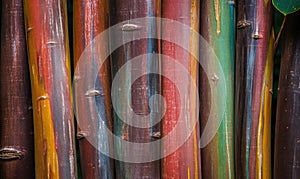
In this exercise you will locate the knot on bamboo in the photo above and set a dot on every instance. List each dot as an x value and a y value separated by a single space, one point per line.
93 92
257 36
81 135
10 154
130 27
156 135
243 24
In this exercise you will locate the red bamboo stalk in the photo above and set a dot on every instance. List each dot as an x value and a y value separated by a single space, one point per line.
90 19
16 132
185 161
142 88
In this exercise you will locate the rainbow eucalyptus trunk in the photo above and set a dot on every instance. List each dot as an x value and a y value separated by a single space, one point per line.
254 63
218 29
16 132
48 51
141 89
287 143
90 19
185 161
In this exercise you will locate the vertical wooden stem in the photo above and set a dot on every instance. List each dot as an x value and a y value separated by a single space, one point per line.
48 51
16 121
185 161
90 19
253 89
218 29
141 89
287 134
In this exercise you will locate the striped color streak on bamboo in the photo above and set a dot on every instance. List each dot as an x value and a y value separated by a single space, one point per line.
253 35
16 136
141 89
90 19
287 133
263 152
218 29
48 51
185 161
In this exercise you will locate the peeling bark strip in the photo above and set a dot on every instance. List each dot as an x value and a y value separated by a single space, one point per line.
48 50
287 135
253 83
90 19
185 161
16 132
141 89
218 156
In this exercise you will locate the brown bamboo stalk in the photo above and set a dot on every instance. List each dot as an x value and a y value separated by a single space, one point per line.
16 122
48 51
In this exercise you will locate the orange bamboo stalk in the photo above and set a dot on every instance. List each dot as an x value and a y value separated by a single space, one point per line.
48 51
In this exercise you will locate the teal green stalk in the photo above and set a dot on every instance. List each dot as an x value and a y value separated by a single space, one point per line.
218 29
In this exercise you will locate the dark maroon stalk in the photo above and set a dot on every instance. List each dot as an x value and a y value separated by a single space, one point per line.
287 135
16 125
141 89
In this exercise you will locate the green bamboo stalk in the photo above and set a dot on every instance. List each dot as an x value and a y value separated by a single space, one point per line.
48 51
16 121
218 29
287 134
254 56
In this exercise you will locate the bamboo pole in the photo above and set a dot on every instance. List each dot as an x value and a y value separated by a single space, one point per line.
185 161
286 159
141 90
16 133
253 89
48 51
218 29
90 19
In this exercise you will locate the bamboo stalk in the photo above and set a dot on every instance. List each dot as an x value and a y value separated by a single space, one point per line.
185 161
90 19
48 51
253 89
141 90
218 29
286 159
16 137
